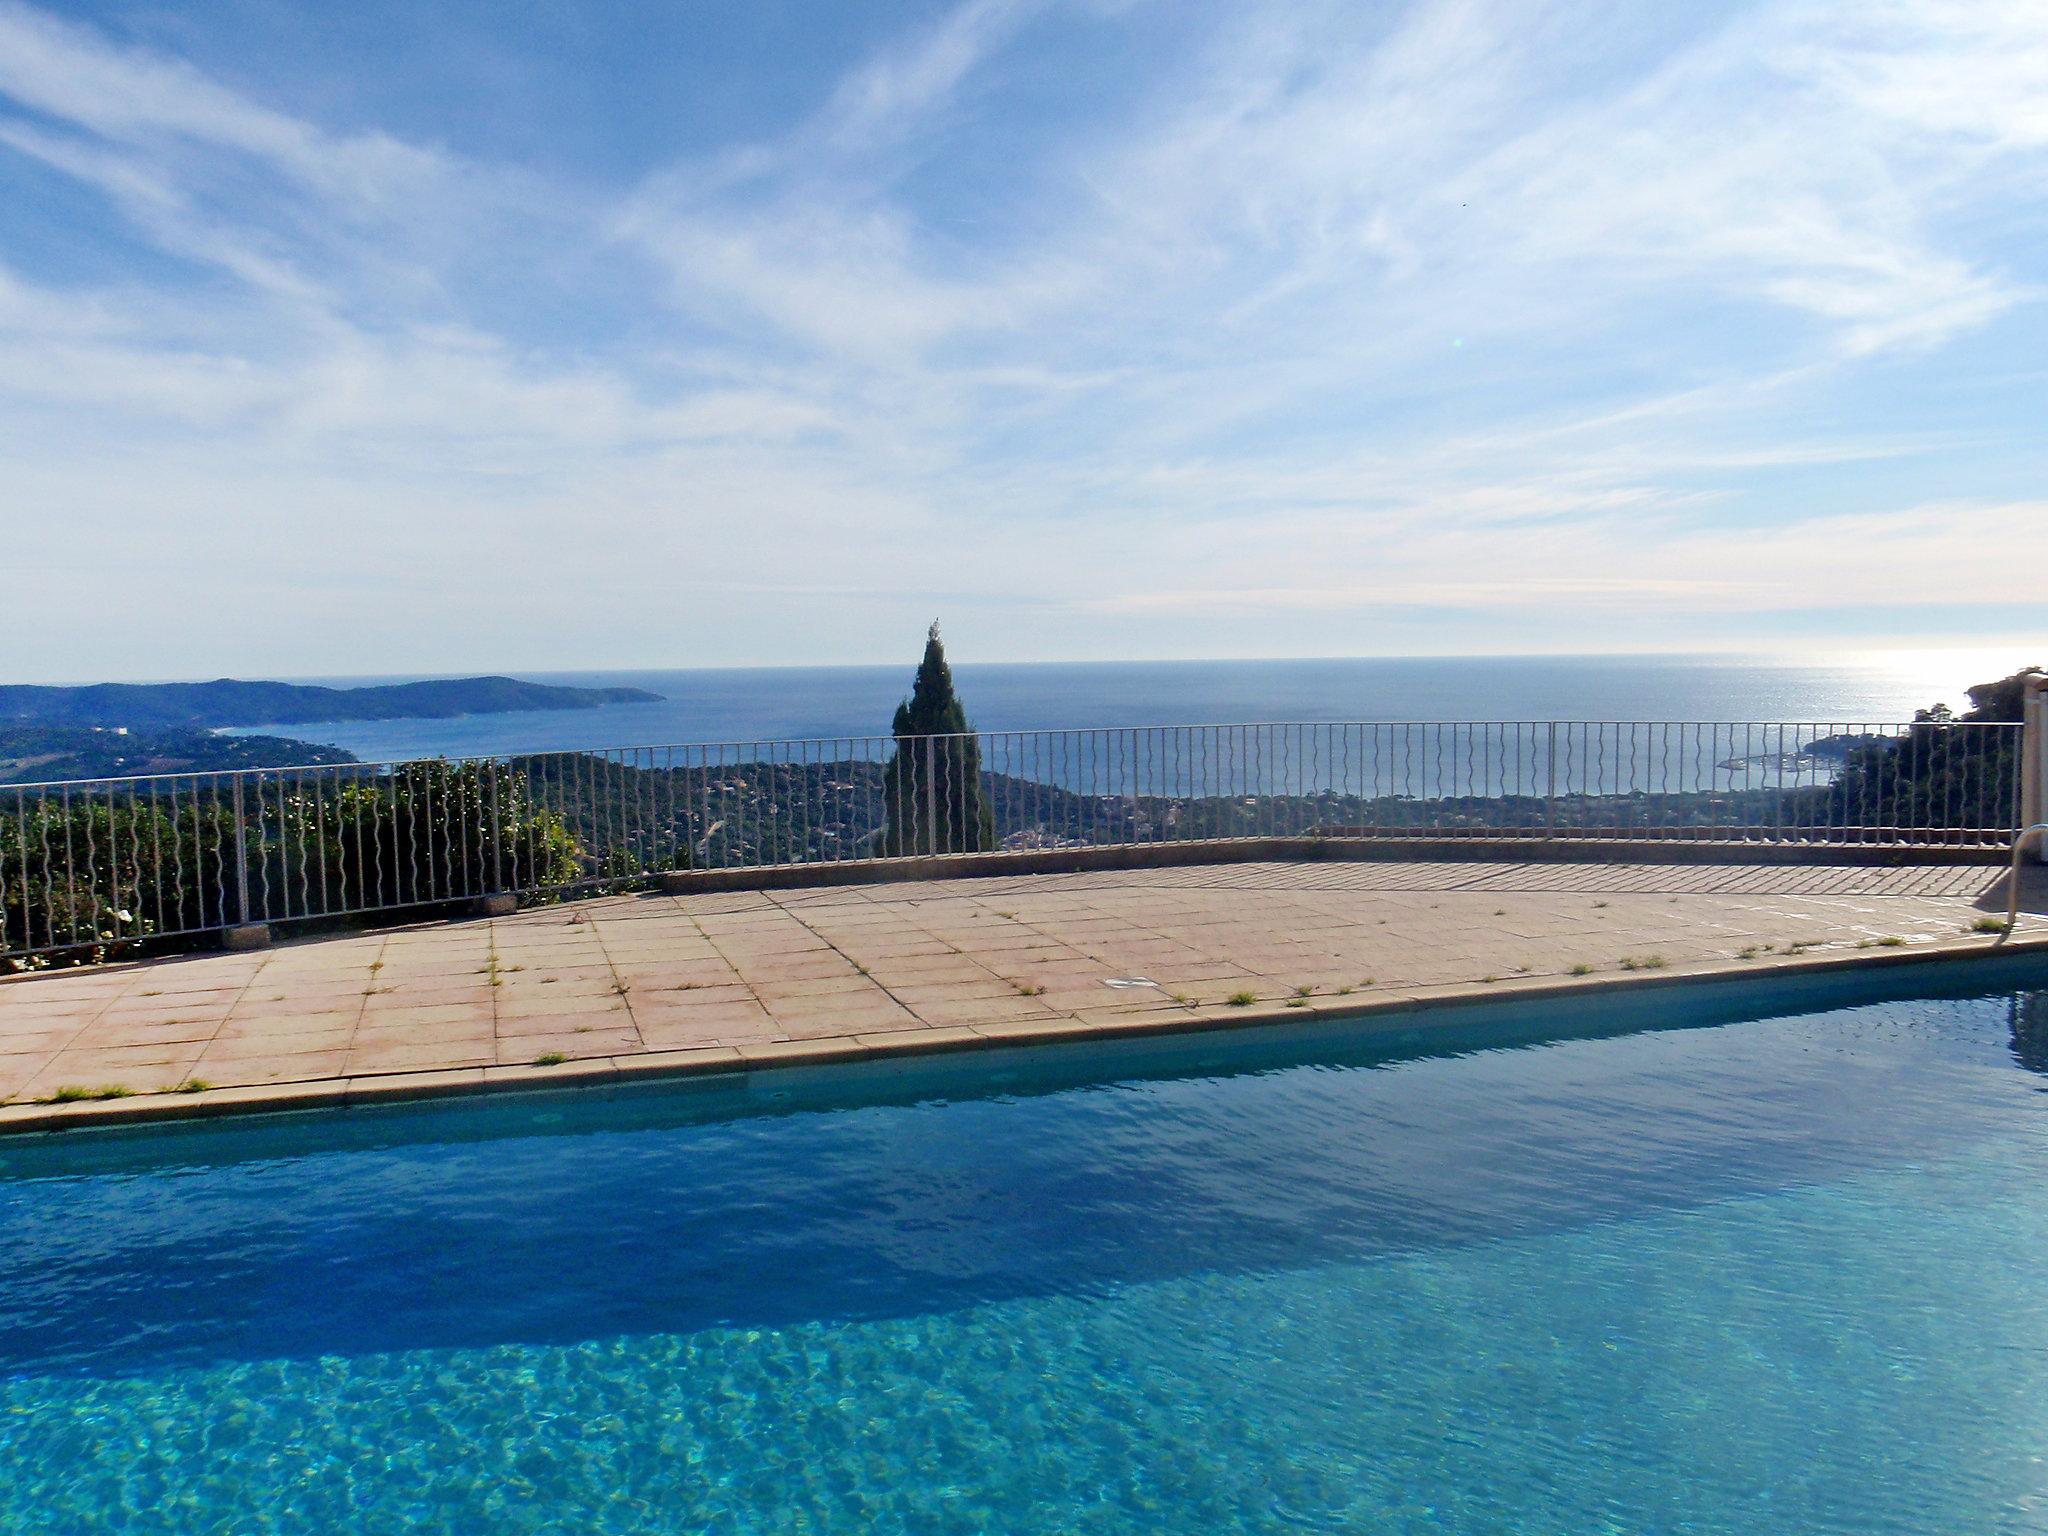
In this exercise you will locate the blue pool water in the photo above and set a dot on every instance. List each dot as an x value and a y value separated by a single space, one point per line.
1709 1260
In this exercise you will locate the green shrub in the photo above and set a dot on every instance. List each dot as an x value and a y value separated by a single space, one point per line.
91 872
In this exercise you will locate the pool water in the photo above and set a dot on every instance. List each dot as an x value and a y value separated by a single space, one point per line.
1711 1259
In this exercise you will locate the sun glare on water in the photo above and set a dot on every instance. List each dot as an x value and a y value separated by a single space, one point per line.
1944 674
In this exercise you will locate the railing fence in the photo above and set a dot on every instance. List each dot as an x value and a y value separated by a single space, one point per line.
96 864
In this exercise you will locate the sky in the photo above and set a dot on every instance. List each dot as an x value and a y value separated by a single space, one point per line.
484 335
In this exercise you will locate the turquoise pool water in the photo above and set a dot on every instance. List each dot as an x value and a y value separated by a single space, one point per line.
1710 1261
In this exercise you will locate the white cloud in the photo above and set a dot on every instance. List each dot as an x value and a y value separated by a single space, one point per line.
1517 307
1460 168
1643 565
131 97
1975 70
887 95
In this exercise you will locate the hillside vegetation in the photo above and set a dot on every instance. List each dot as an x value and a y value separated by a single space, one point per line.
31 754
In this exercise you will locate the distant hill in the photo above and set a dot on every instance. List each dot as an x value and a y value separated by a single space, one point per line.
41 754
226 701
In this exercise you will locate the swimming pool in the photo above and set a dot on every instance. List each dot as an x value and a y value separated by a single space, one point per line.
1713 1259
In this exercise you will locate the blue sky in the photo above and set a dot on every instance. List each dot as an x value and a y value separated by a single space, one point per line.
393 337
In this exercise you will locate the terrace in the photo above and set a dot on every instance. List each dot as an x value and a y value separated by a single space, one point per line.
1132 882
640 985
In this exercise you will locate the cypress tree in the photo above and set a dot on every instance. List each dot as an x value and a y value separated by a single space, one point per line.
935 799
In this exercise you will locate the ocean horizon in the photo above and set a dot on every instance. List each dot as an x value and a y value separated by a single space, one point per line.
746 704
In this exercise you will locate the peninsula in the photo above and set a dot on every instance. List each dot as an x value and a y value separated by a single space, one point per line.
57 753
230 702
109 729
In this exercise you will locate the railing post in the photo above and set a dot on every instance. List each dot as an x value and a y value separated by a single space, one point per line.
2034 756
246 934
241 853
1550 784
931 798
1131 767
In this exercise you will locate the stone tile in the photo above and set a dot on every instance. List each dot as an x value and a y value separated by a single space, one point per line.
131 1010
186 989
408 1056
690 995
825 965
870 951
538 1009
877 1021
451 1044
777 936
409 1015
88 1055
536 973
147 1072
1069 999
916 998
237 1069
263 1024
775 991
404 999
233 1042
16 1073
345 969
37 1036
586 1042
1048 972
681 977
64 987
22 1008
286 992
677 1037
694 1005
130 1033
981 1010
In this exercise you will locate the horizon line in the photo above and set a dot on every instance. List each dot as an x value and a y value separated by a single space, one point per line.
1832 656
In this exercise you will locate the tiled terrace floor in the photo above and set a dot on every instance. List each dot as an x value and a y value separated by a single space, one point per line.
646 982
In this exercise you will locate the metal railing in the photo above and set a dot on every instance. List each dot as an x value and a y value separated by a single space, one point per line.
101 864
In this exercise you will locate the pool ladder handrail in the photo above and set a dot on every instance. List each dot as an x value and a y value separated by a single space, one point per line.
2012 884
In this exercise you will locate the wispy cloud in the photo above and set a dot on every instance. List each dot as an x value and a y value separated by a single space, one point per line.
69 74
886 98
1516 308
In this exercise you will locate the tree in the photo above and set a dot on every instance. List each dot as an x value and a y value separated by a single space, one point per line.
1940 774
935 800
90 872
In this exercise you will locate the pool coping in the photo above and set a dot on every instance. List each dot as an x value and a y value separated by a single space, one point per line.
703 1061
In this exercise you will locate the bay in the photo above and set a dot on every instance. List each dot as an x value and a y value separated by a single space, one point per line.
778 703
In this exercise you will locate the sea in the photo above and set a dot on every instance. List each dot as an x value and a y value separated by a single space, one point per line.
1857 690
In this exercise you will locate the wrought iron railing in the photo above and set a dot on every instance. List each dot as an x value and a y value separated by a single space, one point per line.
106 863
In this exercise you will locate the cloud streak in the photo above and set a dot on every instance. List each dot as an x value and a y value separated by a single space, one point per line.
1514 309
